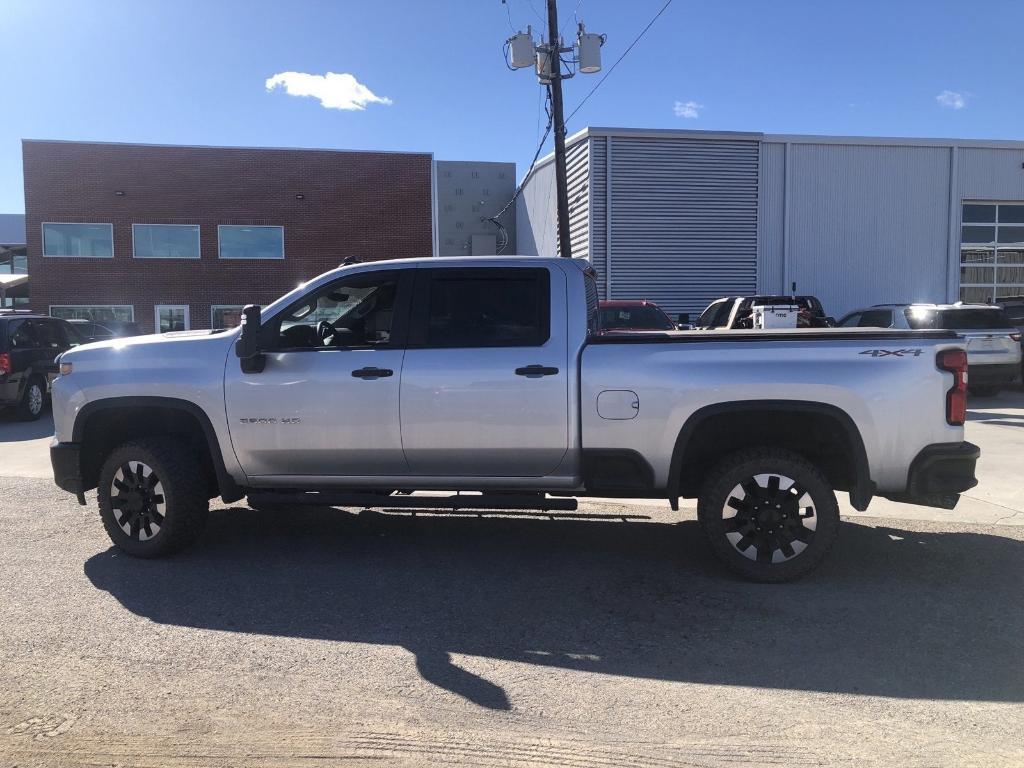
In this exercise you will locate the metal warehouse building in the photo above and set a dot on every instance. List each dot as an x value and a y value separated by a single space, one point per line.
684 217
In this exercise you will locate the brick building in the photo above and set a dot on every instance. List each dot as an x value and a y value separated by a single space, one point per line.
182 237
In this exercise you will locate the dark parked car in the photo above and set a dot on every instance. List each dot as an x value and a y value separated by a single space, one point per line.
91 330
29 345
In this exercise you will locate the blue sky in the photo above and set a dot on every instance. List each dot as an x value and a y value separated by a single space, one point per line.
195 72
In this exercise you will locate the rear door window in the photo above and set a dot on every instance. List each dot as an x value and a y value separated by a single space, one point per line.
876 318
647 318
483 307
967 319
1015 314
22 335
50 334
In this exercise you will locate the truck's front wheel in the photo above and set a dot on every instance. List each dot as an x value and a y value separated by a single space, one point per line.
151 497
768 513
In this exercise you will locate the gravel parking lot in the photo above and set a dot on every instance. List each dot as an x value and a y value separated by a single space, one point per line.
322 637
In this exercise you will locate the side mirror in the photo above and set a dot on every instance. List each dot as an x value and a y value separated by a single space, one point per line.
684 318
248 346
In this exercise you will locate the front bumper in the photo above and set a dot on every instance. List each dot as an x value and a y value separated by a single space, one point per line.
65 458
993 374
939 474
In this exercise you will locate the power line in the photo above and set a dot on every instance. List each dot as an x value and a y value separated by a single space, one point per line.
536 13
519 189
574 17
624 54
508 12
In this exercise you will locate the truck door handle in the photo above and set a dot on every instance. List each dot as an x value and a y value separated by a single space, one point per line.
372 373
536 371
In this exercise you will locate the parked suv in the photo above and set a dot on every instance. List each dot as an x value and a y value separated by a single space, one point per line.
993 340
29 345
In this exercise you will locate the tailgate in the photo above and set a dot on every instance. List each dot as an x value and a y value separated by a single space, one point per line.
986 347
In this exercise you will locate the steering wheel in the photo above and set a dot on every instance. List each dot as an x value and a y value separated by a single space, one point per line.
324 331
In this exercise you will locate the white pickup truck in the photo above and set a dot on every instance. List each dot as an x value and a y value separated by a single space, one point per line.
489 378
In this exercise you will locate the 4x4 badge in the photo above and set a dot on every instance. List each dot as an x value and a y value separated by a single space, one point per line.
892 352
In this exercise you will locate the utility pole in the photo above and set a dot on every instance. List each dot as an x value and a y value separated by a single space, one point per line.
561 175
522 51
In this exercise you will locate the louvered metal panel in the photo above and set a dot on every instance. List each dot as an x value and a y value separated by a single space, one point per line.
770 218
868 224
683 219
577 172
599 209
990 174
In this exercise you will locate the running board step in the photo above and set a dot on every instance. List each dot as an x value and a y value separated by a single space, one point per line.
375 501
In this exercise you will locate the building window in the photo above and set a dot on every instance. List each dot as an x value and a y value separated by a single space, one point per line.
80 240
13 261
97 313
165 241
991 252
250 242
225 315
171 317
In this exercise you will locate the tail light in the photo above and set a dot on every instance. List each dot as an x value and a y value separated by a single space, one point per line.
5 364
1015 336
955 361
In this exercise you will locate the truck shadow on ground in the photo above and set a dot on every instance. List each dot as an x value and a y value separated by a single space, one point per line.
13 430
890 613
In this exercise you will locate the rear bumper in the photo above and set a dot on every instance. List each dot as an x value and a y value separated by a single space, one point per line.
65 459
993 374
939 474
10 389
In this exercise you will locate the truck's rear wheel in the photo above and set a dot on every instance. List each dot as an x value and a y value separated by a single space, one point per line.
151 497
768 513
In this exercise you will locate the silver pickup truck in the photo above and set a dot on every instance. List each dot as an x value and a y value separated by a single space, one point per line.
490 379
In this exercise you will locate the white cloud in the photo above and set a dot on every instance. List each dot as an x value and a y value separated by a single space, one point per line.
688 109
952 99
334 90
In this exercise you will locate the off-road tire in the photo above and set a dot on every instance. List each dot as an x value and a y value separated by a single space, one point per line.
744 466
185 501
33 400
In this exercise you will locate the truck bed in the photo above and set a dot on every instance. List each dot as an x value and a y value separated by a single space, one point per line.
787 334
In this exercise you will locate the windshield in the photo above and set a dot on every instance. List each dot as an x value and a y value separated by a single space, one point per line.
646 318
716 314
329 307
967 319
